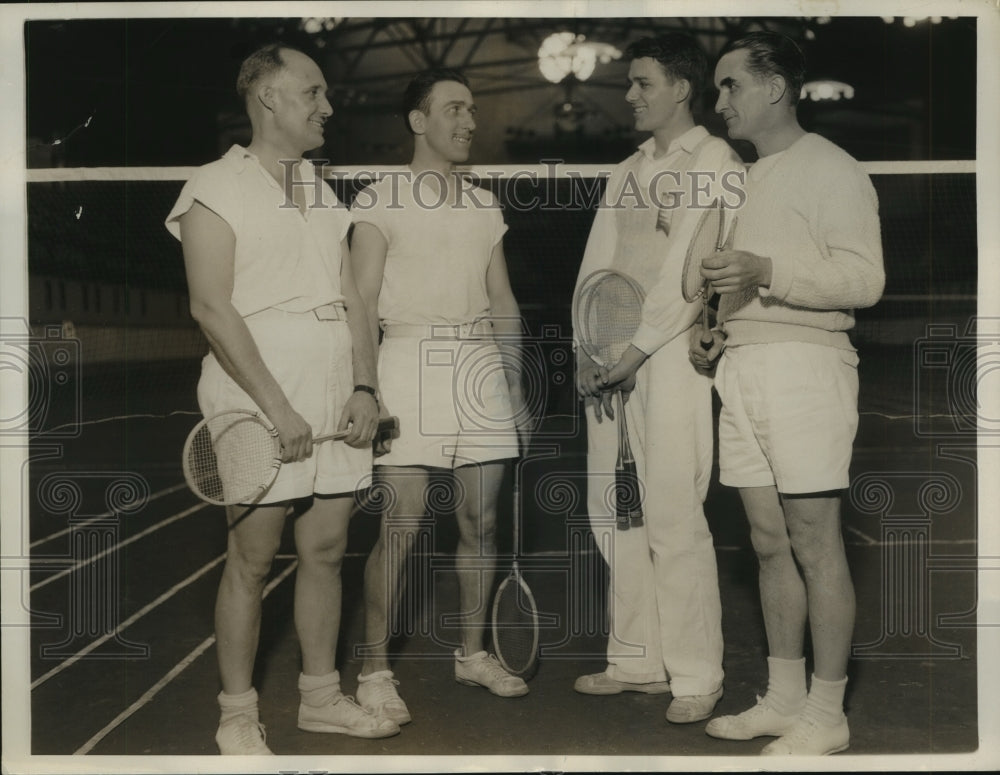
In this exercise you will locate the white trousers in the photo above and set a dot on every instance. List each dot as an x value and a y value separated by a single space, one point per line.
665 612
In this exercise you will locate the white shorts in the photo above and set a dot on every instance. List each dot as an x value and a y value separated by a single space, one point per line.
789 416
311 360
451 398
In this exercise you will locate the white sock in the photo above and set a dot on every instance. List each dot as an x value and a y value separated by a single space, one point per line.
319 690
233 705
825 703
786 685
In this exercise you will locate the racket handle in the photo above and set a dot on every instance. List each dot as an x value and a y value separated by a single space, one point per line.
388 425
628 501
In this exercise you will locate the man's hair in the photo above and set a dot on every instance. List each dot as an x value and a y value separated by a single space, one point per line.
771 53
679 55
418 93
262 63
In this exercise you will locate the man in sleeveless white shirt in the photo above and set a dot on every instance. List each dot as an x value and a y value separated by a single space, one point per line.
807 250
265 250
428 256
665 613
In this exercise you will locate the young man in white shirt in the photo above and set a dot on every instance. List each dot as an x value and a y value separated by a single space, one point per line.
427 252
265 250
807 250
665 613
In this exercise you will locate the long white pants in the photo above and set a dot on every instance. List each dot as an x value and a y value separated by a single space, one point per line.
665 612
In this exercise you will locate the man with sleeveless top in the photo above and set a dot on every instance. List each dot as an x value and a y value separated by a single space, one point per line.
428 255
265 250
807 250
665 613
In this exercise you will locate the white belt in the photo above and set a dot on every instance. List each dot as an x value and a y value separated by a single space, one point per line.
477 329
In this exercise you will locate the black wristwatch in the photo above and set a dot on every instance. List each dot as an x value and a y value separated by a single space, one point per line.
367 389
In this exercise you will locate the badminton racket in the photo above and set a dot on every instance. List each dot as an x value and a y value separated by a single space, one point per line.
234 456
709 237
606 314
515 615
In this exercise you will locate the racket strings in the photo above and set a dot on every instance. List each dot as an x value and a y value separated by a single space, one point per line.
612 312
516 622
232 458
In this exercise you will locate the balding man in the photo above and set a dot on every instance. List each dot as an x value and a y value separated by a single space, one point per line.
265 250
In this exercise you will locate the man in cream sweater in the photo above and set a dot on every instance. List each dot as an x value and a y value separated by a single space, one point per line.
806 251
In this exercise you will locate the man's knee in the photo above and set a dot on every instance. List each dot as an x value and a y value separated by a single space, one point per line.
328 552
770 542
250 566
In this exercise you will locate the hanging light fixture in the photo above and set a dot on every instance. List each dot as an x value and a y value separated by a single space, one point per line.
564 53
827 90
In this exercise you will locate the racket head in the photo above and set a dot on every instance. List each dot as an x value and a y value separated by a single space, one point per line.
607 310
515 625
702 245
231 457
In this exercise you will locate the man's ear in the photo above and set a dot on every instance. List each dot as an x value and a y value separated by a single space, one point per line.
418 121
777 87
682 90
266 98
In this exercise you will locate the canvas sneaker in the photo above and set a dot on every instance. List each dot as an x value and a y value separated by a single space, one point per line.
761 719
482 669
377 694
242 735
342 715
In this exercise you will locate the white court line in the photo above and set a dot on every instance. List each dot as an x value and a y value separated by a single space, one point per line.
105 515
128 622
119 545
179 668
863 536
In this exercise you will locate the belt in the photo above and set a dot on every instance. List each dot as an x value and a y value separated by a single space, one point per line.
336 311
477 329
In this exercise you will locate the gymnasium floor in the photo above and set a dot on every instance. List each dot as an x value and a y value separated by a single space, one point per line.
122 650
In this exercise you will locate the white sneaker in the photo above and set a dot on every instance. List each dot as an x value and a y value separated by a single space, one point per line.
482 669
377 694
760 720
242 735
807 737
344 716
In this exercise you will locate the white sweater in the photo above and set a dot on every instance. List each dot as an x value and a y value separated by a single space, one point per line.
813 211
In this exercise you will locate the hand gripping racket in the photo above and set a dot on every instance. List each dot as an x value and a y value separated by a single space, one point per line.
515 615
234 456
709 237
606 314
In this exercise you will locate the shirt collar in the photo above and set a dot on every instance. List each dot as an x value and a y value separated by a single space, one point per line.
686 142
240 157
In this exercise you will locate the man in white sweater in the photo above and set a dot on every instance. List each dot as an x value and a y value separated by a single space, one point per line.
806 251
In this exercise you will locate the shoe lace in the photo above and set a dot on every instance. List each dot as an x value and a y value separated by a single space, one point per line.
492 666
383 691
250 733
801 732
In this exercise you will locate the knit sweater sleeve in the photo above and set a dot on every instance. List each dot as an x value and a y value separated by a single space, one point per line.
847 270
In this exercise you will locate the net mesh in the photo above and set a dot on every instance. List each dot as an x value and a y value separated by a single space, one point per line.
104 271
231 458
